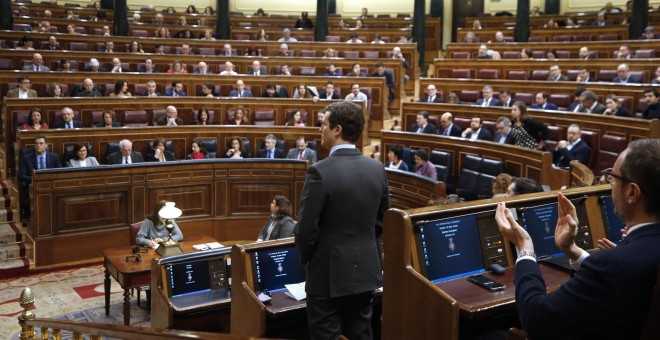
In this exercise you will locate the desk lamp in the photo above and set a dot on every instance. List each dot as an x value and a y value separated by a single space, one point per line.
169 213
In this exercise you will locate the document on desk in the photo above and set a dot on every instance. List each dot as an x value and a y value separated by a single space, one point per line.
296 291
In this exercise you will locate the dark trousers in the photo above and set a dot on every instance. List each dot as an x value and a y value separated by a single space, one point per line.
347 315
24 199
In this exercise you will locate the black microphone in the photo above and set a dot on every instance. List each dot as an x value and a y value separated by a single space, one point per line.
138 258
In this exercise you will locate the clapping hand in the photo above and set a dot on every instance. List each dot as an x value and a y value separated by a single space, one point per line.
566 229
511 230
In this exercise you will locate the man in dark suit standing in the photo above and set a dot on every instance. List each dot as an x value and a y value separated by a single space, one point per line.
270 151
448 127
573 148
389 79
476 131
126 155
67 121
302 152
503 131
432 95
610 294
487 97
341 212
33 159
423 125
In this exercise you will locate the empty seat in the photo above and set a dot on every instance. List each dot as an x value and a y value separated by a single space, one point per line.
332 38
307 71
264 117
78 46
139 33
607 75
468 96
370 54
156 115
555 134
540 74
6 64
563 101
488 74
526 98
207 51
462 123
582 37
603 37
538 39
442 162
572 74
559 38
511 55
211 147
563 54
592 138
238 36
460 55
517 75
460 73
351 54
610 148
307 53
136 118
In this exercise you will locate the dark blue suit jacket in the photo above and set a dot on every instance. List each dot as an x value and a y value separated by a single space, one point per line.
170 93
483 135
455 131
29 163
429 128
278 153
548 106
579 152
246 93
389 82
493 102
60 124
608 298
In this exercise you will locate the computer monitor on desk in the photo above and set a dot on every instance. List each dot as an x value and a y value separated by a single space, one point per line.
195 273
277 266
540 222
612 222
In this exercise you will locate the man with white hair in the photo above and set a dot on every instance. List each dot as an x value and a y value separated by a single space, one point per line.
286 36
283 51
227 51
256 69
37 64
125 155
202 68
229 70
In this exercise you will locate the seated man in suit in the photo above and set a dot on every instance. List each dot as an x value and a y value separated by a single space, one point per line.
487 98
240 90
476 130
67 121
171 118
505 97
542 102
503 131
41 158
37 64
270 151
590 103
584 76
203 68
227 51
331 71
301 151
53 45
625 52
448 126
576 105
625 77
611 292
573 148
329 92
87 89
555 74
432 95
125 155
389 79
356 71
151 90
423 125
256 69
148 67
652 98
94 66
176 90
23 91
116 66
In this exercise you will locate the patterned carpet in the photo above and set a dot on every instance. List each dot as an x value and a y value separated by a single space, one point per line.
71 294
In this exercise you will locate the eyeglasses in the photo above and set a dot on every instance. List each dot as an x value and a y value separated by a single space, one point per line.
610 176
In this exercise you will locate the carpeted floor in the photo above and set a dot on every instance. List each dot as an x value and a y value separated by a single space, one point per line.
71 294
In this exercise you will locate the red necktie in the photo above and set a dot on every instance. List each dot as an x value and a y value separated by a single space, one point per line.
300 156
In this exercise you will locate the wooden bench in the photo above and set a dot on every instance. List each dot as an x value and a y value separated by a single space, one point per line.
550 34
584 19
409 190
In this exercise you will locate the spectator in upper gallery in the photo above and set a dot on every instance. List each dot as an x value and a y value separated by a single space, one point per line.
476 130
283 51
584 76
240 90
389 79
148 67
53 45
652 111
151 90
614 108
521 186
609 8
423 125
329 92
487 98
286 36
23 91
541 102
270 151
117 67
527 132
208 90
227 51
354 39
67 121
356 95
432 95
649 33
304 21
332 71
448 127
395 159
536 11
503 131
377 40
483 53
203 68
365 14
571 149
256 69
177 67
505 97
176 90
601 20
355 71
656 80
35 122
171 117
555 74
624 52
625 77
423 165
229 70
589 103
37 64
470 38
302 152
584 53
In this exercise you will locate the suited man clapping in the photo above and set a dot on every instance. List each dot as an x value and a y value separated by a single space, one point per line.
573 148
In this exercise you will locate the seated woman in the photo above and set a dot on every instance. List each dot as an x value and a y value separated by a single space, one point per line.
203 117
159 154
279 224
65 66
34 122
395 156
240 116
81 157
614 108
501 185
108 120
306 92
153 232
121 89
54 90
198 150
177 67
235 148
135 47
295 119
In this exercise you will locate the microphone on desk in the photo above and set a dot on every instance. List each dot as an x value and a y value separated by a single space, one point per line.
137 249
138 258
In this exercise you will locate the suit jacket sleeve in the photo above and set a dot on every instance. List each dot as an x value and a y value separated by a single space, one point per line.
313 156
136 157
285 227
312 200
53 160
25 169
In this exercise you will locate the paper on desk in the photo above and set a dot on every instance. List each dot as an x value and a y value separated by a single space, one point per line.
296 291
156 246
214 245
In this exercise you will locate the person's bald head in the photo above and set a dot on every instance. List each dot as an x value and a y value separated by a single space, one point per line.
446 120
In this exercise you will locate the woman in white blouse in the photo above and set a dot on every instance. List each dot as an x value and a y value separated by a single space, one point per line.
81 157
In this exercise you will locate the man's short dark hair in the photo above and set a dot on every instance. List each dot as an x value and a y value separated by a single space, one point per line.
397 150
176 82
652 90
22 79
422 154
41 137
271 86
355 64
589 95
505 90
525 186
641 167
210 86
423 114
330 82
379 65
347 115
481 121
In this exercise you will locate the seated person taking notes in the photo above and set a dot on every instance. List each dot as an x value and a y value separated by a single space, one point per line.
153 232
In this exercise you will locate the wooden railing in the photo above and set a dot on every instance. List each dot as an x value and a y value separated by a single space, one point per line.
488 34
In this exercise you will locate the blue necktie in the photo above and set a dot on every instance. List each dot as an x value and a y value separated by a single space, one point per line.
270 154
42 164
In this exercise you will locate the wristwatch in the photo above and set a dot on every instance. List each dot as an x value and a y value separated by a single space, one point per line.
526 253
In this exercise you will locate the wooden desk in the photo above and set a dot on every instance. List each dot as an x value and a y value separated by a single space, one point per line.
131 274
476 302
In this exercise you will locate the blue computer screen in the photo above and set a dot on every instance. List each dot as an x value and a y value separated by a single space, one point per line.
191 277
540 223
451 248
613 223
275 267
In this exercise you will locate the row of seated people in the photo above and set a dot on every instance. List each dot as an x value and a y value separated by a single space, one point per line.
499 37
544 34
623 52
240 115
582 100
